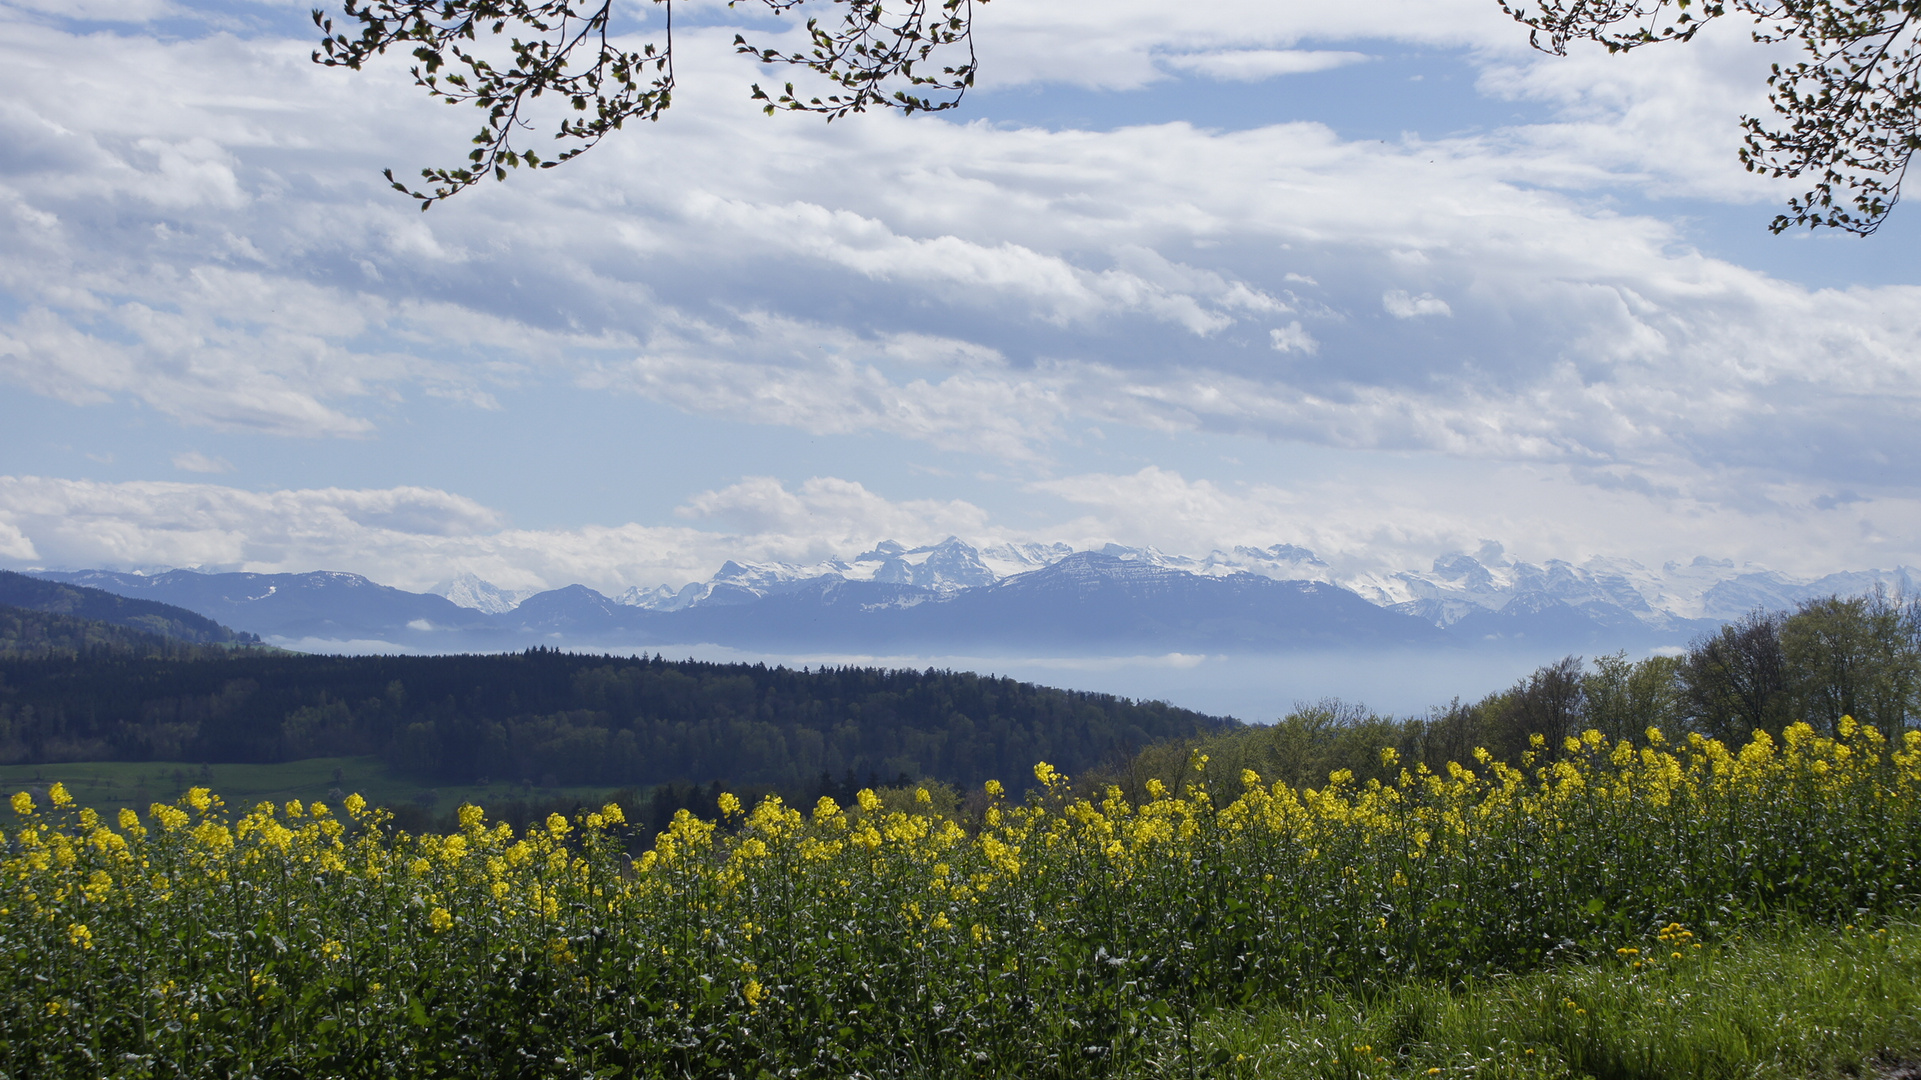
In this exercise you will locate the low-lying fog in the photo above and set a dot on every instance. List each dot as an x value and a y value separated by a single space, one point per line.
1253 688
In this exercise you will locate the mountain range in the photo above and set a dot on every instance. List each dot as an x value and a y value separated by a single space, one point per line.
1047 598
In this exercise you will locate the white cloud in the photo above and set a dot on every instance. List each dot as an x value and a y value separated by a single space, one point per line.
1254 65
830 517
415 537
133 11
1291 338
1113 44
15 545
1403 306
1444 505
259 280
771 370
197 462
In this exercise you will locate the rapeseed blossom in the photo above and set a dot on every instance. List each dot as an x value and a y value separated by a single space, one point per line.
279 930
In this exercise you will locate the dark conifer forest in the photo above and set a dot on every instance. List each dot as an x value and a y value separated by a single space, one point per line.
559 718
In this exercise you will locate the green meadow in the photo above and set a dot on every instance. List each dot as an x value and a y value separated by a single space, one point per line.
110 786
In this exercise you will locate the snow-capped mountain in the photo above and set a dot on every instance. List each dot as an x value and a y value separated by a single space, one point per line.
953 595
1678 595
942 569
472 591
1485 593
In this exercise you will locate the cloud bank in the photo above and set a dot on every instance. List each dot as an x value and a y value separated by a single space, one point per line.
1496 302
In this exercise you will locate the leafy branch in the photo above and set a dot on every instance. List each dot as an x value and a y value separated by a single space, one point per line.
869 47
1848 116
502 55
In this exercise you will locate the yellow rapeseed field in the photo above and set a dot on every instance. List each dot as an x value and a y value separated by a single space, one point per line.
1057 936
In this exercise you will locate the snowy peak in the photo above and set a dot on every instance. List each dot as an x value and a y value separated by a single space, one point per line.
663 598
478 594
944 568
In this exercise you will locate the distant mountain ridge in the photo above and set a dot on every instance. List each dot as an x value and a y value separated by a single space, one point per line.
954 597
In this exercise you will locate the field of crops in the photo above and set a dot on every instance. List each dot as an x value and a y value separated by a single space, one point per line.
1059 935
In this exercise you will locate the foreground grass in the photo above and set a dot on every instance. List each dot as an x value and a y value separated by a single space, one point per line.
1794 1003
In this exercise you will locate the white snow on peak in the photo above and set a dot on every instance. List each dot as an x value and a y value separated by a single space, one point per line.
1711 589
1006 560
1457 585
946 567
471 591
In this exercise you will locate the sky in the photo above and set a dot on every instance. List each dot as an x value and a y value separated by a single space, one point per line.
1373 278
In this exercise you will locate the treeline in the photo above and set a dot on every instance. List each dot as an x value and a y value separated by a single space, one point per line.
1837 656
553 718
26 634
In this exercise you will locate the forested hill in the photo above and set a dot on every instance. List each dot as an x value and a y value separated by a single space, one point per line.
40 634
562 718
145 616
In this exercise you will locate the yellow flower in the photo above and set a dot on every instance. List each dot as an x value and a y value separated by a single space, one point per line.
753 992
22 804
994 789
869 802
557 826
1045 773
129 820
355 804
200 799
730 804
922 797
58 794
80 935
613 814
440 919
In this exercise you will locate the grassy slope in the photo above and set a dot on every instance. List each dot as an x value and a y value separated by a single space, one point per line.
109 785
1800 1003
